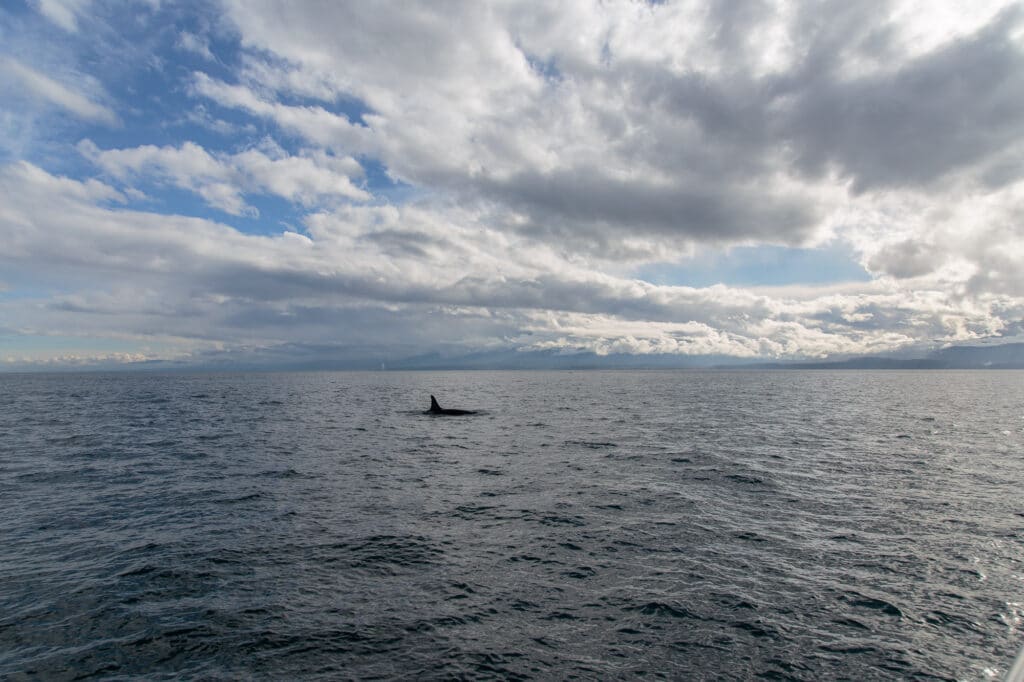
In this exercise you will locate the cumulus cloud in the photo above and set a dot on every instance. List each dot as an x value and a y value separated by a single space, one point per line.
548 151
416 275
655 127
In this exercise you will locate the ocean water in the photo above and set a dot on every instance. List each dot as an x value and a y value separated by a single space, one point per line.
589 525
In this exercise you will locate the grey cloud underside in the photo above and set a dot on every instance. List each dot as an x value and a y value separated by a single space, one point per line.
548 151
578 205
676 155
907 259
946 110
912 126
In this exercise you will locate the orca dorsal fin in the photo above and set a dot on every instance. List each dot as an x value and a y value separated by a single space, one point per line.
434 407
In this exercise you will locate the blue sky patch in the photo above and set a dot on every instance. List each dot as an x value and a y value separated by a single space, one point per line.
760 266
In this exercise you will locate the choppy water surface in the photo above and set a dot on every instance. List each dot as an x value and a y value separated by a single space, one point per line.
786 525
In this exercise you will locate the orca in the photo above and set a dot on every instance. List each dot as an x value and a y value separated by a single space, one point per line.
437 409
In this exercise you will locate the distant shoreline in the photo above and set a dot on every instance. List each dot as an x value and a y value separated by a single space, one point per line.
1002 357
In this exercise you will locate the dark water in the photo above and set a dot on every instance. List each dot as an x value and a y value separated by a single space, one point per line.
594 525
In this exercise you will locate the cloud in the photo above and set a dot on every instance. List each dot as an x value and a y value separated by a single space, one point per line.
913 124
314 123
198 45
63 13
417 273
541 154
201 117
64 360
642 136
55 93
221 180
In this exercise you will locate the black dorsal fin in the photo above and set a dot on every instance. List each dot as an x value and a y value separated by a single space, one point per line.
434 407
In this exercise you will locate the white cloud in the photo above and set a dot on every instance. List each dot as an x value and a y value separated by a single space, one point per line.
547 150
190 42
423 272
64 13
222 179
56 93
635 130
306 180
315 124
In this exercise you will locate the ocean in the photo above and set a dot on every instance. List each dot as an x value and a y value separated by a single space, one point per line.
789 525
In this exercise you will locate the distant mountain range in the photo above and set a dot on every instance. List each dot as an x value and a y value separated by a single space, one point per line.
1006 356
293 357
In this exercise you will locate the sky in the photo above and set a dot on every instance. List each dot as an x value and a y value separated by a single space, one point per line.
255 182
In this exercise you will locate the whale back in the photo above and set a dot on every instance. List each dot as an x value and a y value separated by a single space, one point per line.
437 409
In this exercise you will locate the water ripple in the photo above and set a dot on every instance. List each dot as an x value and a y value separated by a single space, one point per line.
732 525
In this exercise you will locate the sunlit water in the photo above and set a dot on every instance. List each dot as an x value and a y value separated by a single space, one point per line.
782 525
